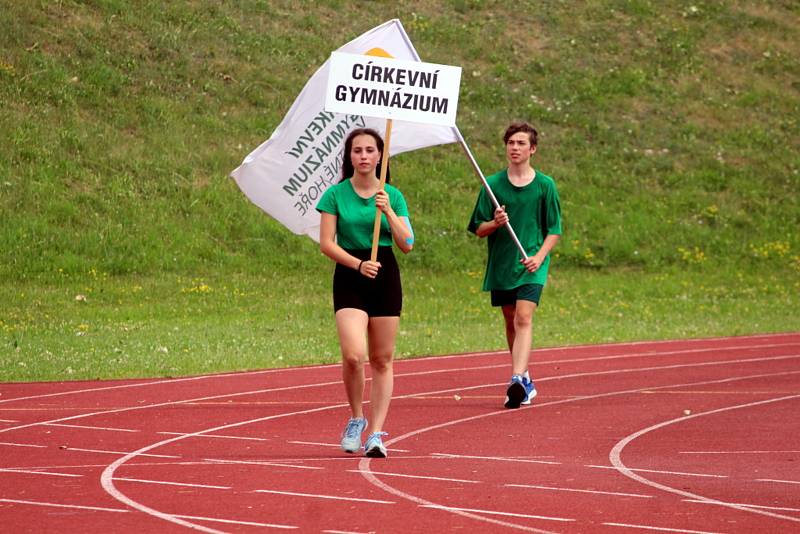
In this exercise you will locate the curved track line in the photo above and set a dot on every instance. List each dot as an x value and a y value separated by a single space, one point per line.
107 477
369 475
616 461
363 467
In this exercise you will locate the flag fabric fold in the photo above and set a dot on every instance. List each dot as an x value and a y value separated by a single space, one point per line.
286 175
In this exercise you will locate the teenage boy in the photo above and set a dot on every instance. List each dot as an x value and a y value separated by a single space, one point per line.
528 201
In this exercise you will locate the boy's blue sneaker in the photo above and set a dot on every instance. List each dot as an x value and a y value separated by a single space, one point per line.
351 437
530 390
374 447
515 393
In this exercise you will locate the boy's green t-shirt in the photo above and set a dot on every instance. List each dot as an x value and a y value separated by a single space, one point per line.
534 212
356 215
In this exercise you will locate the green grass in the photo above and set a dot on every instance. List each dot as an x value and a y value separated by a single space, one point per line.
101 326
670 128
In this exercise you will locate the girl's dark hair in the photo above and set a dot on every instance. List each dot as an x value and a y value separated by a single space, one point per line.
347 163
516 127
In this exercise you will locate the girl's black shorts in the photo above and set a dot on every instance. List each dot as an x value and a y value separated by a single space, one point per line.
381 296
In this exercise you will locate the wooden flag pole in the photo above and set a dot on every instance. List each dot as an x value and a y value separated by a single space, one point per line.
384 167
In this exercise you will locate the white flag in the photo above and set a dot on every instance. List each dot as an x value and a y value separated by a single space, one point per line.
286 175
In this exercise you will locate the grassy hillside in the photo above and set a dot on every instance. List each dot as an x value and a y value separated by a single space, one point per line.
671 129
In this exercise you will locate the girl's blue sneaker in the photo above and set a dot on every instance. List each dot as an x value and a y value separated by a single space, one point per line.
351 437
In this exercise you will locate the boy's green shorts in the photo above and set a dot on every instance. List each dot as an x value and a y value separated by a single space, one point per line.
504 297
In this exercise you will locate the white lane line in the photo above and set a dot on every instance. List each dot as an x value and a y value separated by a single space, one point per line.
571 348
577 348
23 445
738 393
244 438
737 452
781 508
97 508
595 492
8 421
256 462
235 522
615 456
55 505
365 462
419 476
497 458
494 512
778 481
334 445
661 529
713 350
679 473
170 403
320 496
106 477
314 443
90 427
169 381
95 466
661 368
107 474
189 401
348 458
271 390
33 472
166 483
245 393
363 466
116 452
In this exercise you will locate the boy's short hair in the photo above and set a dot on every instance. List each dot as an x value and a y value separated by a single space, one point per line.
521 126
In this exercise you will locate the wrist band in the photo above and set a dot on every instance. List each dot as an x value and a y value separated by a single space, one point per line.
359 267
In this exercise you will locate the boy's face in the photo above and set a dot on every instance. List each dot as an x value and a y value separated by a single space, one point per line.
519 149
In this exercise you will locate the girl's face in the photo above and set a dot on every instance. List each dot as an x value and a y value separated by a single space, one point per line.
518 148
364 154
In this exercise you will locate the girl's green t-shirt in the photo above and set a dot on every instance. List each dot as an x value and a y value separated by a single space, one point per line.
534 212
356 215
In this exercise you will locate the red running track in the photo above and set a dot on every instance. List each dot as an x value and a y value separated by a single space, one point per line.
689 436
